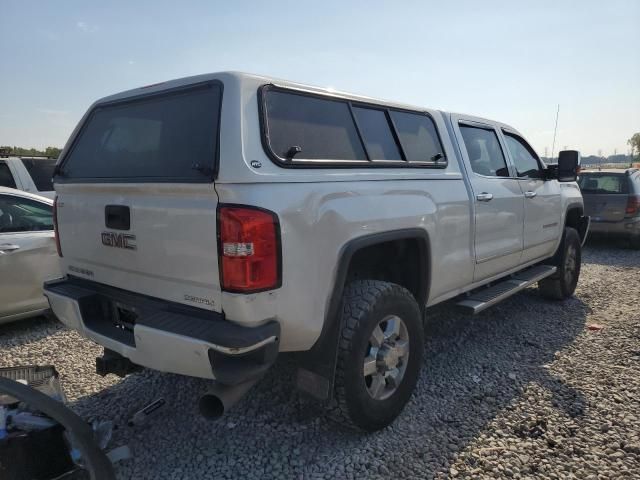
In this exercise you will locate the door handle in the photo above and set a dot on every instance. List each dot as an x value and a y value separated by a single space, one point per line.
530 194
8 247
484 197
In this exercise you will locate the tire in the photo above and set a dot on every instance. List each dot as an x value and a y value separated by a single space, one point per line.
371 402
634 242
568 259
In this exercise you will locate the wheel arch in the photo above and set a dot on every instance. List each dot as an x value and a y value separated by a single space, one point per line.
317 366
574 218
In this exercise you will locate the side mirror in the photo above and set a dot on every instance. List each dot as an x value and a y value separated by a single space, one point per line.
568 165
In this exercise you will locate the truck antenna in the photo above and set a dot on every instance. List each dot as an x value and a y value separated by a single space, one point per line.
555 130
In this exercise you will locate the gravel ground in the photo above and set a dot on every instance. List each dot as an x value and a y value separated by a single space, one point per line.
529 388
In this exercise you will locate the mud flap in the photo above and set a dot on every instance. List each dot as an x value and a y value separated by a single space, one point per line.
317 367
583 228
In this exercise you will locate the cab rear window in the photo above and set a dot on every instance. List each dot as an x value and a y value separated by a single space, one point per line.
169 137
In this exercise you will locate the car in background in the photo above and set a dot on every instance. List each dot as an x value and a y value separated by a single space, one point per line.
30 174
612 199
28 254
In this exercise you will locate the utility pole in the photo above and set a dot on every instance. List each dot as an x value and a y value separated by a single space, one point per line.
600 159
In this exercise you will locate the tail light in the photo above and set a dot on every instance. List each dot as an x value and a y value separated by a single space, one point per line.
633 206
56 230
249 249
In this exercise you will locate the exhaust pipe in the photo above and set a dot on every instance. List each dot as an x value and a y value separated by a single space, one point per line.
220 398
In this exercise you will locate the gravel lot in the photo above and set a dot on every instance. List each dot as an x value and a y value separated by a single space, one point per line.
526 389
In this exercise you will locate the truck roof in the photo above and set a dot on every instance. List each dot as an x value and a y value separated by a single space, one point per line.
253 81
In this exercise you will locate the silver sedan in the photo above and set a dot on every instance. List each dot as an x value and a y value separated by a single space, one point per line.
28 254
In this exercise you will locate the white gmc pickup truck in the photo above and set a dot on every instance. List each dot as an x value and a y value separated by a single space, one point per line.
208 224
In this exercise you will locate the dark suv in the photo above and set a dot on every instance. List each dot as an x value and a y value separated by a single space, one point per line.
612 199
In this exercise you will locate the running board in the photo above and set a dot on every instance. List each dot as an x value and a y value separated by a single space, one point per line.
487 297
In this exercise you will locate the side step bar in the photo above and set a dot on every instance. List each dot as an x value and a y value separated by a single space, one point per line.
484 298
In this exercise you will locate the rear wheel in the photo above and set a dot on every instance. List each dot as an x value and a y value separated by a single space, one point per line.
379 355
635 242
567 259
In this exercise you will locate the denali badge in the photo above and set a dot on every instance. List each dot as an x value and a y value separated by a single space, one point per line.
82 271
119 240
205 301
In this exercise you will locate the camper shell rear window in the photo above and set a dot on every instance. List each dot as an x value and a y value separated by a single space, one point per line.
171 136
303 129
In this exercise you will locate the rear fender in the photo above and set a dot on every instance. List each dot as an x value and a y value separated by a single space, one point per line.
316 367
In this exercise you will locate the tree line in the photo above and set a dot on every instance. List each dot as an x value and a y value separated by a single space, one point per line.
52 152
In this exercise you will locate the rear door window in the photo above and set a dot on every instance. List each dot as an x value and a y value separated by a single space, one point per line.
6 177
41 172
484 150
166 137
603 183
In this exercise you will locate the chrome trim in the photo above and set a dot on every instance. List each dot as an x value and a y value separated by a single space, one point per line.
241 350
484 197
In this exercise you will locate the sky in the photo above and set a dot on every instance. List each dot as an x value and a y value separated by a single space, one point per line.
510 61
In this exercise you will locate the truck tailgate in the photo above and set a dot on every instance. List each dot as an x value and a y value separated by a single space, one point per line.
605 207
169 250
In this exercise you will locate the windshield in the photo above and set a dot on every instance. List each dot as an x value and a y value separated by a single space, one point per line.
166 137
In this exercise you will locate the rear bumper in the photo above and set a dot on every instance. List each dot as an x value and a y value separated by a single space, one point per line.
626 227
163 335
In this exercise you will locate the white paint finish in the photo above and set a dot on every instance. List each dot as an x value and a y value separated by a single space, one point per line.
27 259
22 178
175 229
542 217
498 222
22 271
499 211
15 167
320 211
318 220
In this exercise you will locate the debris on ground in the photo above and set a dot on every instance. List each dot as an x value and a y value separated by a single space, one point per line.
594 327
574 414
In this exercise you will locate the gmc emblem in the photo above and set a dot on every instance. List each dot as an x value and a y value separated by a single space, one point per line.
119 240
